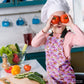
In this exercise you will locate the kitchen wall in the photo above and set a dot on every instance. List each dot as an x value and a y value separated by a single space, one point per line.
78 13
14 33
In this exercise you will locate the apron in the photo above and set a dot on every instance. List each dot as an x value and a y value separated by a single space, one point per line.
57 65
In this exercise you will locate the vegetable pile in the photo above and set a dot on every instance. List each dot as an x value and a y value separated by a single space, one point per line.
14 55
32 76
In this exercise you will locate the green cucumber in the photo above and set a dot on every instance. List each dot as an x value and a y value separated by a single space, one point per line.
18 49
24 48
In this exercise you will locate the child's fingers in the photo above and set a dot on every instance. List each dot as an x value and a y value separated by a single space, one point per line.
50 18
69 16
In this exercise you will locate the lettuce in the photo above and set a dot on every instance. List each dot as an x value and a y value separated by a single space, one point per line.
9 52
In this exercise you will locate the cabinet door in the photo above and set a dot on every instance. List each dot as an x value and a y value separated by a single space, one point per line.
29 2
6 3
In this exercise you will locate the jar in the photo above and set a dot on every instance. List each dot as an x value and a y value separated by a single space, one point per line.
4 60
28 35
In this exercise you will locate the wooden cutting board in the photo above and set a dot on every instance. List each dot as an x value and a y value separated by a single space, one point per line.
20 81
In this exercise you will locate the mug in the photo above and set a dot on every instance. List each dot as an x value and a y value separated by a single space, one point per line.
20 21
35 20
5 23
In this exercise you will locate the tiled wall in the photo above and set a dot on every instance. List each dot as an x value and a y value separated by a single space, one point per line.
14 33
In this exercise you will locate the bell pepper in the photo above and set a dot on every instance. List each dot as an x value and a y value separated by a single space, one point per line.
15 70
8 70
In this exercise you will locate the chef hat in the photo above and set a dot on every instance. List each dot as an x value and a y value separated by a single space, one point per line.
52 6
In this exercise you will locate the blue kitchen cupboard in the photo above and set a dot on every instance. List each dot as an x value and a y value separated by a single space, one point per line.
29 2
16 3
7 3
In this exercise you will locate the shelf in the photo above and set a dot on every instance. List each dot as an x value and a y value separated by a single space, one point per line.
26 3
17 3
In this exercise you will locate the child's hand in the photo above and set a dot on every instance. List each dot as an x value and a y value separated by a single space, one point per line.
48 25
70 23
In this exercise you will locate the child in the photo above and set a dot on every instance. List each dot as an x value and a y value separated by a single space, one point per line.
59 43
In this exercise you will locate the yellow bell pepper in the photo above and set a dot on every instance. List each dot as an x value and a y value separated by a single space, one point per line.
15 70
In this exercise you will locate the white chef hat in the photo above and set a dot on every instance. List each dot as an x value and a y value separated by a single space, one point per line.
52 6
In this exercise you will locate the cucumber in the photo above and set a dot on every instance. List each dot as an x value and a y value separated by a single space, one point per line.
18 49
24 48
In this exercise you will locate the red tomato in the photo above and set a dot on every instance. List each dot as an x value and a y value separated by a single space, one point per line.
8 70
27 67
64 18
55 20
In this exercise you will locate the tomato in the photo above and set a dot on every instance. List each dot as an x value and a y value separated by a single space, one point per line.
27 67
8 70
64 18
55 20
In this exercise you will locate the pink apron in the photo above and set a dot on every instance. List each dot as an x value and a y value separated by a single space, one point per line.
57 65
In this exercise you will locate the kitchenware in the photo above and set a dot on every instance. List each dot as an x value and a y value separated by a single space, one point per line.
28 35
20 22
4 64
5 23
35 20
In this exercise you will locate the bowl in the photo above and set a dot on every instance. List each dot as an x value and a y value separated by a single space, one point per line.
17 58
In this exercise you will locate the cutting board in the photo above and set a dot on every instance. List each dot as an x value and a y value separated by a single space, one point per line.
20 81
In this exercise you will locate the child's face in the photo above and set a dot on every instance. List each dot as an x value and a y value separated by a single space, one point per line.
59 27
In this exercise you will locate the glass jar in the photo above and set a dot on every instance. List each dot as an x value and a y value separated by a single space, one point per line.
4 61
28 35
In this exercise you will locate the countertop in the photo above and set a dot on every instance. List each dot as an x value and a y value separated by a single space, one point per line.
31 49
36 67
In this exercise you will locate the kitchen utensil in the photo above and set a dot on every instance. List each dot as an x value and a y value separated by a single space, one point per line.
5 23
20 22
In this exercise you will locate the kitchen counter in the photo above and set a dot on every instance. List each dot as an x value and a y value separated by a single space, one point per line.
41 49
35 67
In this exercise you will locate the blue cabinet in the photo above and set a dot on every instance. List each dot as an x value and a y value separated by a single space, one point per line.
16 3
7 3
29 2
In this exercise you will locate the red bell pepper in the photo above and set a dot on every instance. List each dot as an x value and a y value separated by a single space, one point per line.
8 70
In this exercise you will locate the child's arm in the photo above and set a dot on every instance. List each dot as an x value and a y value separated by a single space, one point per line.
39 39
77 36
